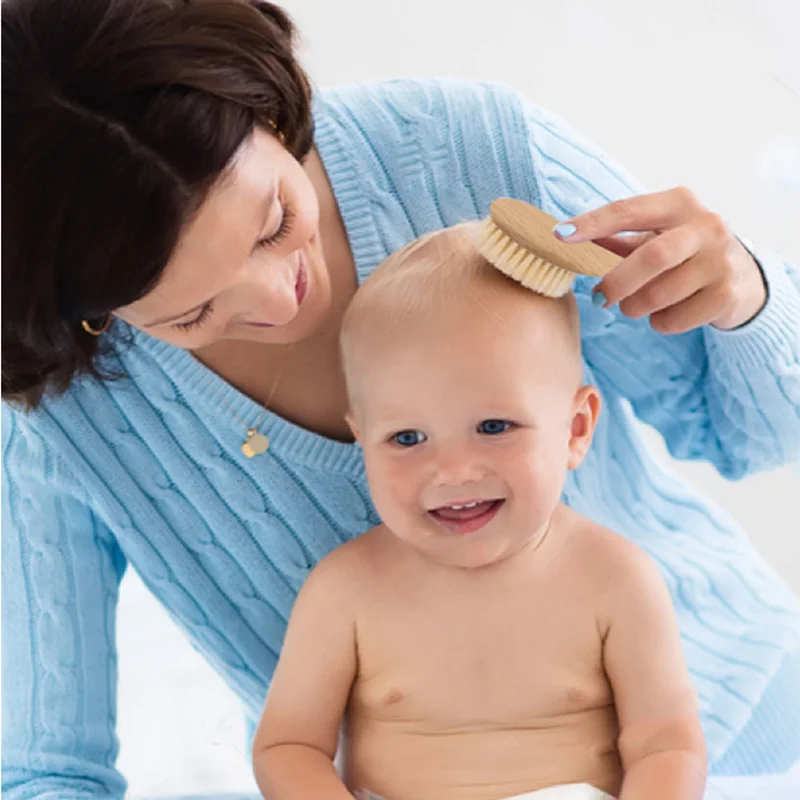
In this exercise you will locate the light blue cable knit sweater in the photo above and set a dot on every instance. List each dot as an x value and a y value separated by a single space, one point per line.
147 470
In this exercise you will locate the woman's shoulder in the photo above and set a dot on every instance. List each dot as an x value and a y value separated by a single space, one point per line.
455 100
457 143
414 89
91 409
484 133
413 100
54 411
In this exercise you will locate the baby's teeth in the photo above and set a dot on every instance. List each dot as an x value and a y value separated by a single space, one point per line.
461 508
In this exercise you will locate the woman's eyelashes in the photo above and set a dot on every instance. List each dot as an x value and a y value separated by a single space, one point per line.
205 313
284 229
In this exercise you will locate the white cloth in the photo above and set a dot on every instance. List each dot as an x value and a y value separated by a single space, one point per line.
572 791
763 787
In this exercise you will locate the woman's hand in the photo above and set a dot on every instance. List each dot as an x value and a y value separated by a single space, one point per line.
683 268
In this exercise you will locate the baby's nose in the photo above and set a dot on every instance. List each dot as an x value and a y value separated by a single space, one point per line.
458 466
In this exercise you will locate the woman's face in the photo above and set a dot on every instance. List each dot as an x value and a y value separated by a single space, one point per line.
249 265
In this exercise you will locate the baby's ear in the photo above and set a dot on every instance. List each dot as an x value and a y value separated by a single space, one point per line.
585 412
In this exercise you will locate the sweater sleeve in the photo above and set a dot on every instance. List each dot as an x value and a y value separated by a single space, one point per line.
60 577
731 398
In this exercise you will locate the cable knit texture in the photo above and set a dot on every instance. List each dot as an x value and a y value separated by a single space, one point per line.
147 471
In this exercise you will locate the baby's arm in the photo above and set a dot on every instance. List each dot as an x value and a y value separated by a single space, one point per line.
298 733
661 742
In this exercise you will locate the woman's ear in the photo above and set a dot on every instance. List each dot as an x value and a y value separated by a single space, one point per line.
585 411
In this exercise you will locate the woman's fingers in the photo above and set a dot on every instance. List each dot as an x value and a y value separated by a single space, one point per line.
667 289
624 244
656 256
702 308
647 212
681 266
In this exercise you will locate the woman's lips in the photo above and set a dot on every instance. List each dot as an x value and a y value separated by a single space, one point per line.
301 284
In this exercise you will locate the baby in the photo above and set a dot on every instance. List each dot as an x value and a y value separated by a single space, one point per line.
485 641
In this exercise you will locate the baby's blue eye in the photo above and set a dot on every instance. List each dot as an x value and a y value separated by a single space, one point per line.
494 426
409 438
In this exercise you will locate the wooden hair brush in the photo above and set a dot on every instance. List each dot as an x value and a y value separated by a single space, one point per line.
518 239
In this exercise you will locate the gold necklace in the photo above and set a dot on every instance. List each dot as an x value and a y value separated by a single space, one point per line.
255 443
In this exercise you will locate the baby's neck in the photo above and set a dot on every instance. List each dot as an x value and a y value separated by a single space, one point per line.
529 559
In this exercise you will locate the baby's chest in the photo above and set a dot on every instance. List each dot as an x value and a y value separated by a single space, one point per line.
475 671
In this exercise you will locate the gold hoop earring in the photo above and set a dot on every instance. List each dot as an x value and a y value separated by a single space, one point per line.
278 133
87 326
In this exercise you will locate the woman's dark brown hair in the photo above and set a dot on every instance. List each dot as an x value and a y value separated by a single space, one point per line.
118 117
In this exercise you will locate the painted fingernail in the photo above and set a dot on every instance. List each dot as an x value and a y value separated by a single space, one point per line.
599 299
564 230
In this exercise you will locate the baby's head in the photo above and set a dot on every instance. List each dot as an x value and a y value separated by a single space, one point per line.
466 396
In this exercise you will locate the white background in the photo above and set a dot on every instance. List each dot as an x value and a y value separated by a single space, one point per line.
698 92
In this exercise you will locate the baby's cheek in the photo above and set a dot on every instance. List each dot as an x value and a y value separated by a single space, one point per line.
542 478
393 486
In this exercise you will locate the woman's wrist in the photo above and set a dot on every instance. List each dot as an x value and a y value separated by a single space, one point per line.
754 299
773 332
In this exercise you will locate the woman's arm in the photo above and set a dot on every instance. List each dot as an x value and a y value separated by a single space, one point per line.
297 737
730 397
60 576
444 150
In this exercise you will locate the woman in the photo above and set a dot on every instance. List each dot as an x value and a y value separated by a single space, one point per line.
183 228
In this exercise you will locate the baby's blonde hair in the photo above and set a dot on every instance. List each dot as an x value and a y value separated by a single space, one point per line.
417 279
431 275
440 272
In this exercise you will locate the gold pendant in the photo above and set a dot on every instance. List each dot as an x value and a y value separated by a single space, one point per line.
255 444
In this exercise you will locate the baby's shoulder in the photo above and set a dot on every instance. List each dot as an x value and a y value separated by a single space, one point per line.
606 557
355 563
616 575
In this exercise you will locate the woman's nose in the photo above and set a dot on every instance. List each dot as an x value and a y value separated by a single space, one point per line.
271 293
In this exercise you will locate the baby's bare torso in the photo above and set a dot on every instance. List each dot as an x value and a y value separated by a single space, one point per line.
478 685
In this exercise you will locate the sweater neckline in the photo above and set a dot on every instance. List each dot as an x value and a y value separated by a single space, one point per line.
223 401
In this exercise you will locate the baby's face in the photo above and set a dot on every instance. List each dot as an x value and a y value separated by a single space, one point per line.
465 427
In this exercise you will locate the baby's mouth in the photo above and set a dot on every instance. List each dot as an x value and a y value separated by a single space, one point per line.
466 517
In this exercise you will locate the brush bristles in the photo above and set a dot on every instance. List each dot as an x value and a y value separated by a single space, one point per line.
533 272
